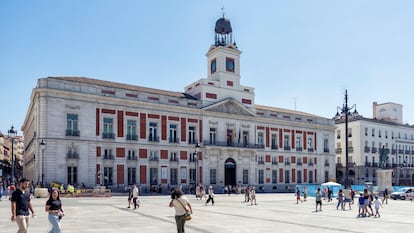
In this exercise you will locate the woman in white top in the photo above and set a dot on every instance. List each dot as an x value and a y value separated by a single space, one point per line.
181 205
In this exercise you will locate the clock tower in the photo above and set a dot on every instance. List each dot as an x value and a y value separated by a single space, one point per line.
223 71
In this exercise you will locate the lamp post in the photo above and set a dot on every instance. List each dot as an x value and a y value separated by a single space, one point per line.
12 135
197 149
345 110
42 146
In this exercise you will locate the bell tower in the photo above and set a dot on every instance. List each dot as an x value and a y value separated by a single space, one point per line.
223 71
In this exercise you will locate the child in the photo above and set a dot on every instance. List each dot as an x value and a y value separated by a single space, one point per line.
361 209
377 205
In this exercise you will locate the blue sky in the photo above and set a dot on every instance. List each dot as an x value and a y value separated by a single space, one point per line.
297 54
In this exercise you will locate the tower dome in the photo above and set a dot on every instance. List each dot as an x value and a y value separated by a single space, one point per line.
223 32
223 26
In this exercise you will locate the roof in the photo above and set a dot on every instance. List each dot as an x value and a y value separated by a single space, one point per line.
282 110
123 86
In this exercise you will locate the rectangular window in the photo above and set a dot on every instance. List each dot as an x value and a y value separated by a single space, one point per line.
192 175
274 176
153 132
72 175
326 176
260 138
108 131
173 134
212 136
191 135
108 179
132 175
131 155
299 176
338 134
213 176
245 139
153 176
72 125
245 176
274 141
286 142
326 145
173 176
310 177
132 130
261 176
298 143
287 176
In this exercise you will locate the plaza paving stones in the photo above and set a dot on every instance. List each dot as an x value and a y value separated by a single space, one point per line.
274 213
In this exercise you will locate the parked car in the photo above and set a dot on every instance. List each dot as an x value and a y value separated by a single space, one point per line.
404 193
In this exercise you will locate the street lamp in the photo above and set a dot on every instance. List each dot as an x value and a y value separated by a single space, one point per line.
345 110
42 146
12 135
197 149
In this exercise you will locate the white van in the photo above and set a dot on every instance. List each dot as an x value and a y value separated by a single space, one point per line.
403 194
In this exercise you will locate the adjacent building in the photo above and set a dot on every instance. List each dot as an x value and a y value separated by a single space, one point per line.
86 131
370 139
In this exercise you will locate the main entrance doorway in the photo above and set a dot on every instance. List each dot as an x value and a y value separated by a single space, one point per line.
230 172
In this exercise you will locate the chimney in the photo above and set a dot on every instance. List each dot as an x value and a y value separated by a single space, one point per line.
374 110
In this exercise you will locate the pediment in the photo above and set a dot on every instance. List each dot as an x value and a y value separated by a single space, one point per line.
230 106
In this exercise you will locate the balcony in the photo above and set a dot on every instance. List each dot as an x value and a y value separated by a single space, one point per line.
338 151
108 135
326 164
310 164
374 150
367 149
407 152
108 157
325 150
274 147
72 132
367 164
132 157
375 164
286 147
298 148
173 140
400 151
153 158
274 162
72 155
393 151
173 159
310 150
132 137
261 162
287 163
192 159
233 144
153 138
299 163
351 149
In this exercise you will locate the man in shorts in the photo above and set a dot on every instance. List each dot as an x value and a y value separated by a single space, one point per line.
318 199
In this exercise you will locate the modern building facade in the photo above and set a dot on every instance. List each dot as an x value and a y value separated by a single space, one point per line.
371 138
82 130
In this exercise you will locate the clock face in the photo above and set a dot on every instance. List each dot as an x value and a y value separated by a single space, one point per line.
230 65
213 66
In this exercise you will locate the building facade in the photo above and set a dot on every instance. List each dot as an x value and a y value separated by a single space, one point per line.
114 134
370 139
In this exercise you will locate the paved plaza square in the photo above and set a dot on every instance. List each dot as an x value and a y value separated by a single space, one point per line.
273 213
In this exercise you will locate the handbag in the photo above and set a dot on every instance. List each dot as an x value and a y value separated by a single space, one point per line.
187 214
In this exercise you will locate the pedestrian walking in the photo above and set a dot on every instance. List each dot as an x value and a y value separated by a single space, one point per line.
385 197
297 196
129 196
305 193
181 205
318 200
377 205
347 197
210 195
253 196
55 210
340 199
135 196
20 205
